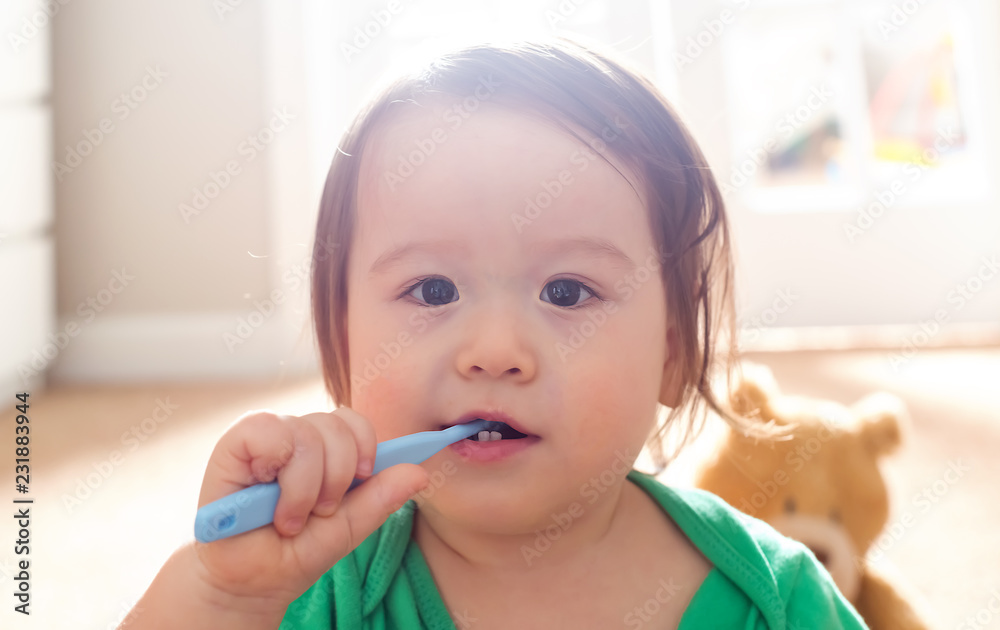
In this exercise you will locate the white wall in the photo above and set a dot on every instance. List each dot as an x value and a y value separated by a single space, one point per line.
27 281
201 84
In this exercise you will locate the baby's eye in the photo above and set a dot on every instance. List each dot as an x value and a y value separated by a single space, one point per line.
434 291
439 291
565 292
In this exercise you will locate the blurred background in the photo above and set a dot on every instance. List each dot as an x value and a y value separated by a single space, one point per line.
162 163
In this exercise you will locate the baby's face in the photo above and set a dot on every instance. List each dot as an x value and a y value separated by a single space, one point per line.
509 316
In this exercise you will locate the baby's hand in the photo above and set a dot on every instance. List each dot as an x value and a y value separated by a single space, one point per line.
314 458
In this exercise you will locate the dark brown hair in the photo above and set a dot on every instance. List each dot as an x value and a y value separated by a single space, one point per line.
575 86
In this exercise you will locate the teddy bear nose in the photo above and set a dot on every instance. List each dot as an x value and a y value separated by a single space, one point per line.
821 554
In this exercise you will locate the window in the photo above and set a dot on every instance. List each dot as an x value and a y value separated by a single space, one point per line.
832 103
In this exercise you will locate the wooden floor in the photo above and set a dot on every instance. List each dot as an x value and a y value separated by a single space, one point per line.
115 481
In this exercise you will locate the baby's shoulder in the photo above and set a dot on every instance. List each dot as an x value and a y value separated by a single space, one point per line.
728 538
777 575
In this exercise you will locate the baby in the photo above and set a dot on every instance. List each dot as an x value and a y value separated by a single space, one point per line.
526 234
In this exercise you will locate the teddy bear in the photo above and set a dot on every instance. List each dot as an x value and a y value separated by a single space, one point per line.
819 484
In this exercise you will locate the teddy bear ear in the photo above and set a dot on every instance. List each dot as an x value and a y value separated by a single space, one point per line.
882 420
755 385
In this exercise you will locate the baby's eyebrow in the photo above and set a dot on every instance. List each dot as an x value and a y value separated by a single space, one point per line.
594 247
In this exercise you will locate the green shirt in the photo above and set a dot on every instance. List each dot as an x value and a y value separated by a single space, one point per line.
760 579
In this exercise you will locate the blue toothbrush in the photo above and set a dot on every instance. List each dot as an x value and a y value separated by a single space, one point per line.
254 506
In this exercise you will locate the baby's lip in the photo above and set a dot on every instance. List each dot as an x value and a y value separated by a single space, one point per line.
496 416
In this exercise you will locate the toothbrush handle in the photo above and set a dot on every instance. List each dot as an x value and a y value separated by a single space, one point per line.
241 511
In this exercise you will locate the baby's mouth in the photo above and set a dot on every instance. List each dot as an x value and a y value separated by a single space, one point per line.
495 431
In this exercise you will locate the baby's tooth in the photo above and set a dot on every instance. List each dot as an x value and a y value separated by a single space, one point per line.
495 435
484 436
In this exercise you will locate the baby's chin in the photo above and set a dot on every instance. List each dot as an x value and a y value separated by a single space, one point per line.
510 507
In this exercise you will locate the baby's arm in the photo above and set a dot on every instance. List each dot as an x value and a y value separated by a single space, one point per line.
180 598
248 581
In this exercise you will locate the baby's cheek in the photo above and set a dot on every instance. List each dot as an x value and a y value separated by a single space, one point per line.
594 401
614 403
383 402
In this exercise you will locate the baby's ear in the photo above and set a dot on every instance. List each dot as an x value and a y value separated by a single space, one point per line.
672 386
882 420
755 387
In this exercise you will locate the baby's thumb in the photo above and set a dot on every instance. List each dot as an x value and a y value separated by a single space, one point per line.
366 508
371 503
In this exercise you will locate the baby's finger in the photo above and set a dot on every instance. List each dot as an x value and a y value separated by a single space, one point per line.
300 479
339 460
252 450
342 467
364 437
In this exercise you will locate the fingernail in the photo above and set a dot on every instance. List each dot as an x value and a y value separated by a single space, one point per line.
365 466
293 525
